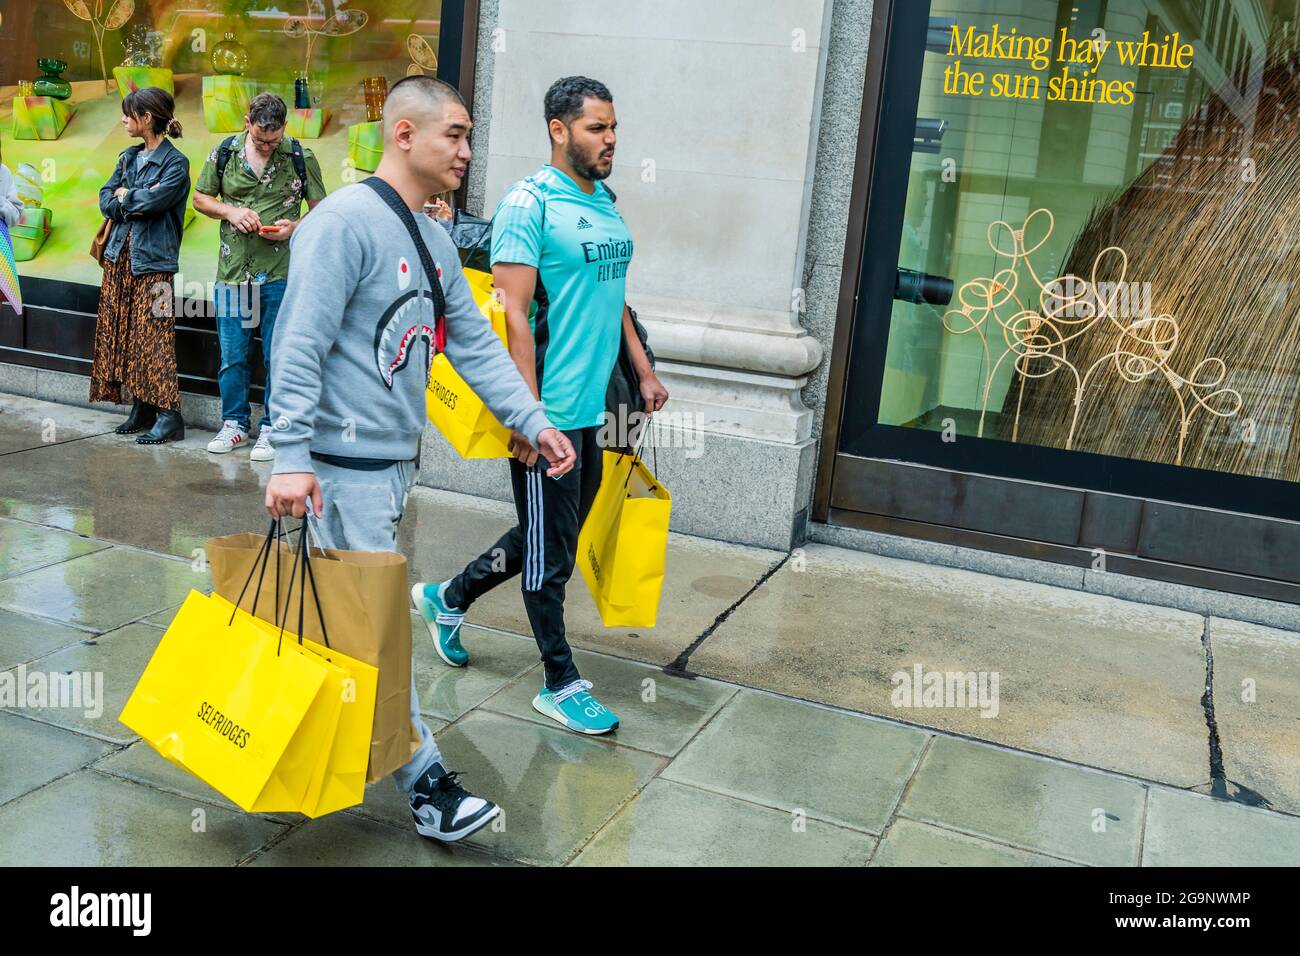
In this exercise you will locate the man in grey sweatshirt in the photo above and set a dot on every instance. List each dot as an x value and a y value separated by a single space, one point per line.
350 360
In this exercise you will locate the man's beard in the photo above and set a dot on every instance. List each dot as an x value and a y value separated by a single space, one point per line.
586 167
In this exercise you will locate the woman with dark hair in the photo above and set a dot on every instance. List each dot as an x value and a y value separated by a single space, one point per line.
135 342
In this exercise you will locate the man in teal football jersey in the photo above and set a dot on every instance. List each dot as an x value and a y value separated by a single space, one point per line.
558 238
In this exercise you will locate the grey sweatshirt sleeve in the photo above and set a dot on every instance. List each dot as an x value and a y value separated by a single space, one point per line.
11 209
305 329
478 355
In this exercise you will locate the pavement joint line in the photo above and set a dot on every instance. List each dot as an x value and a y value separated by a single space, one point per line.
1001 841
28 793
92 631
94 767
996 841
51 444
678 666
906 790
787 810
1218 779
111 741
286 830
1142 825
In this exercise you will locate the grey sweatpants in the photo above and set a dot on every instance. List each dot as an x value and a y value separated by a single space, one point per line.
361 511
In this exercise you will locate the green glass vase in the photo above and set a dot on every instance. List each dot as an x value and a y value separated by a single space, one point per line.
50 83
230 57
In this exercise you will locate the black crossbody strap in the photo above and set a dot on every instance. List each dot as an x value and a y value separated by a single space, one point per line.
389 195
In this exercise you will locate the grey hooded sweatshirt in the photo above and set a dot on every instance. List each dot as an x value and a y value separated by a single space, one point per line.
354 336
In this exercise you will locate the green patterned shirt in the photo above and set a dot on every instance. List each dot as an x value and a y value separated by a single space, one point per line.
277 194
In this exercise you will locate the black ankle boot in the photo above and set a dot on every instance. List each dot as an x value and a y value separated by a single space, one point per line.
167 427
141 417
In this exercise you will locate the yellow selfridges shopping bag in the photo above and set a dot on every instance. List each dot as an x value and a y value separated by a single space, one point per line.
340 778
451 404
273 724
624 542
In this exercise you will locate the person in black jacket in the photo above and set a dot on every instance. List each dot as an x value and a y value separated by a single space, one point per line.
135 342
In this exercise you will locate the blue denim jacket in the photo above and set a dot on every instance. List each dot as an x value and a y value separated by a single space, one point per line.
152 209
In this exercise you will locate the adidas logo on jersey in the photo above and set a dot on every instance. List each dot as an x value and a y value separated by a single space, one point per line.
582 223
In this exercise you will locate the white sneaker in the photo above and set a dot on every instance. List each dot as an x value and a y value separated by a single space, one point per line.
262 449
229 436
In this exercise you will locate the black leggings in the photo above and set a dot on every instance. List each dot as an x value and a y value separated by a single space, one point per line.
541 548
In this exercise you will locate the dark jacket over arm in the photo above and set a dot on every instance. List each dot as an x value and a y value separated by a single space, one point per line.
152 210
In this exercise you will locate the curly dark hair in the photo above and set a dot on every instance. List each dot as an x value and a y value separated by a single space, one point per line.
565 97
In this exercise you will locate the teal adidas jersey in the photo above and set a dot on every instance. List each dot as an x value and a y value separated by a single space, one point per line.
580 247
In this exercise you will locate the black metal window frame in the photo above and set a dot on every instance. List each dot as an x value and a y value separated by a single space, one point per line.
858 430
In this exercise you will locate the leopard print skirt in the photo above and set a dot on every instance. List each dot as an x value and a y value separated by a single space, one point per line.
135 337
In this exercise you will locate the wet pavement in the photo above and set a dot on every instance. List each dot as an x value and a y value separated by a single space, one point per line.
761 725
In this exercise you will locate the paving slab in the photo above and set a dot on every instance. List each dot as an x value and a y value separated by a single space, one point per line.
448 692
1088 678
163 498
670 824
657 712
141 763
1028 802
114 662
344 839
120 823
1187 829
841 768
32 754
24 638
441 533
1257 709
555 788
908 843
103 590
30 423
24 547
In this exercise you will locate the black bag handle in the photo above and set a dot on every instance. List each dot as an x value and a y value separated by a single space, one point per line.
636 453
389 195
304 559
273 538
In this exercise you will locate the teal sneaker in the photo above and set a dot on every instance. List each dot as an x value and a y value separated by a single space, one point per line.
442 621
576 709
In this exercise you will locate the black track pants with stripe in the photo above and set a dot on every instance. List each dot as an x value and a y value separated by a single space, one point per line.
541 549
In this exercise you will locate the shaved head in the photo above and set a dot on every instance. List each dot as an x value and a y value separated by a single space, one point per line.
426 139
420 100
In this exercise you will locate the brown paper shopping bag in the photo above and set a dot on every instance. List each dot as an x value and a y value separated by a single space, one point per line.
365 597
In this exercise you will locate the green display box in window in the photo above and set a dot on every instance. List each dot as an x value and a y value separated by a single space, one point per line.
131 79
225 101
366 145
41 117
306 124
30 232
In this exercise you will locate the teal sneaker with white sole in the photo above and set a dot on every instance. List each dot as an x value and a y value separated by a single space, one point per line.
576 709
442 621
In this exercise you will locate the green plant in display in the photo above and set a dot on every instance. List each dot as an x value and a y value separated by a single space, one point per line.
315 25
102 20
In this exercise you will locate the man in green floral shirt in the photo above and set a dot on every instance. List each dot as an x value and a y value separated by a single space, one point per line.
255 183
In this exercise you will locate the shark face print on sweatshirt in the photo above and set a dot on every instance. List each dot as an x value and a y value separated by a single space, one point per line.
405 323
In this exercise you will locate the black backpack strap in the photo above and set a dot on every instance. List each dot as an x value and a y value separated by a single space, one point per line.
299 161
389 195
223 159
